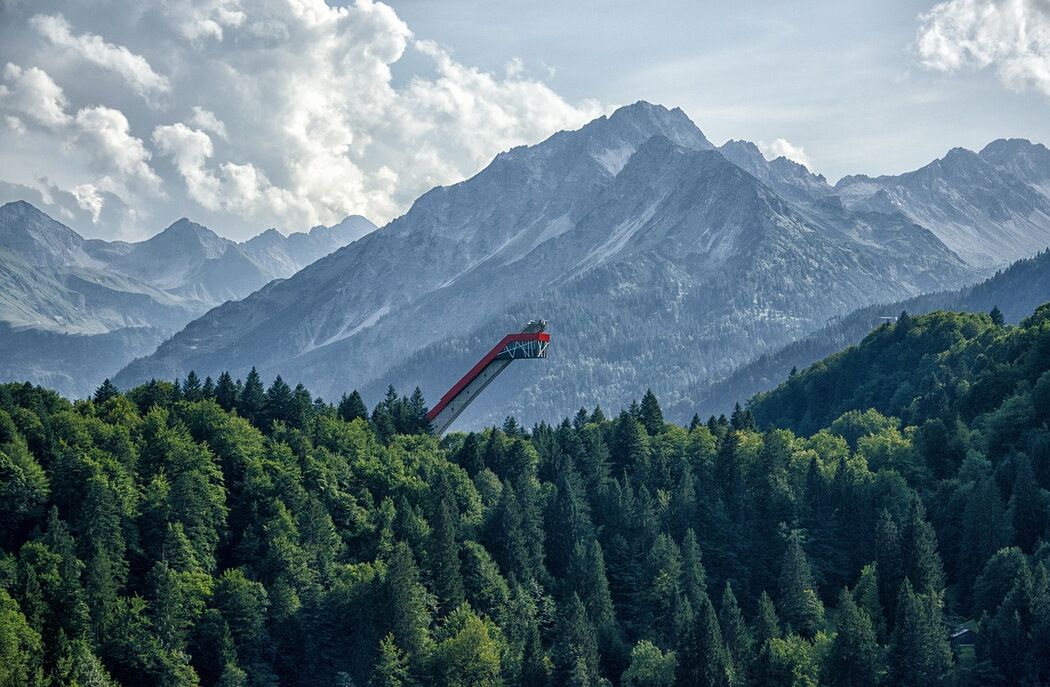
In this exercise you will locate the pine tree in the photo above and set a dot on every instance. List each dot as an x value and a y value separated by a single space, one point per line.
702 657
854 657
105 392
352 407
226 392
252 399
997 316
799 604
208 390
650 415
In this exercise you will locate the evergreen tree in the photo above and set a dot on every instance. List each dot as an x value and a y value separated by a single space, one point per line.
919 652
922 562
766 625
405 601
251 401
854 657
352 407
799 604
702 657
279 403
105 392
736 635
535 666
443 557
650 415
1028 507
576 652
226 392
192 390
208 390
997 316
866 597
391 668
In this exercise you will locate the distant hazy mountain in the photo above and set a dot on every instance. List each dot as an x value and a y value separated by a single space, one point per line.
1017 291
991 207
659 261
73 310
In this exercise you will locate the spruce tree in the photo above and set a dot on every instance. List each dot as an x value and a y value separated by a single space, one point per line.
650 415
799 605
766 625
105 392
919 651
192 390
702 657
736 635
854 657
997 316
1028 507
922 562
405 601
443 557
391 668
352 407
252 399
226 392
576 652
279 403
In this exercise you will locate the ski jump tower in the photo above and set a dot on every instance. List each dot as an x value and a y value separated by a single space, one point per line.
531 342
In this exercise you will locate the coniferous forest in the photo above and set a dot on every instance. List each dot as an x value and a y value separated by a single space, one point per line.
880 519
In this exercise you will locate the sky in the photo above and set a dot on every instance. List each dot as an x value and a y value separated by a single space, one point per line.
119 117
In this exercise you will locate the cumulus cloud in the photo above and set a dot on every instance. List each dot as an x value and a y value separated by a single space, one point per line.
116 161
208 121
33 94
1010 36
133 68
783 148
275 113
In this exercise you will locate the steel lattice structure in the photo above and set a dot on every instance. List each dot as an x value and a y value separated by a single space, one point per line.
531 342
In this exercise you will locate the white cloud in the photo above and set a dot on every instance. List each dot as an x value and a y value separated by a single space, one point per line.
122 160
783 148
299 119
117 58
33 94
208 121
89 198
1010 36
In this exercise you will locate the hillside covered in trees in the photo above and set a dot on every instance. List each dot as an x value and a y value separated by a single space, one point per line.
221 534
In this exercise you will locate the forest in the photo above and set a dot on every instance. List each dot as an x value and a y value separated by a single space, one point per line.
881 518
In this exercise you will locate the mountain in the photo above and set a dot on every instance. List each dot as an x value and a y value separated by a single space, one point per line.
991 207
73 310
656 258
1016 291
